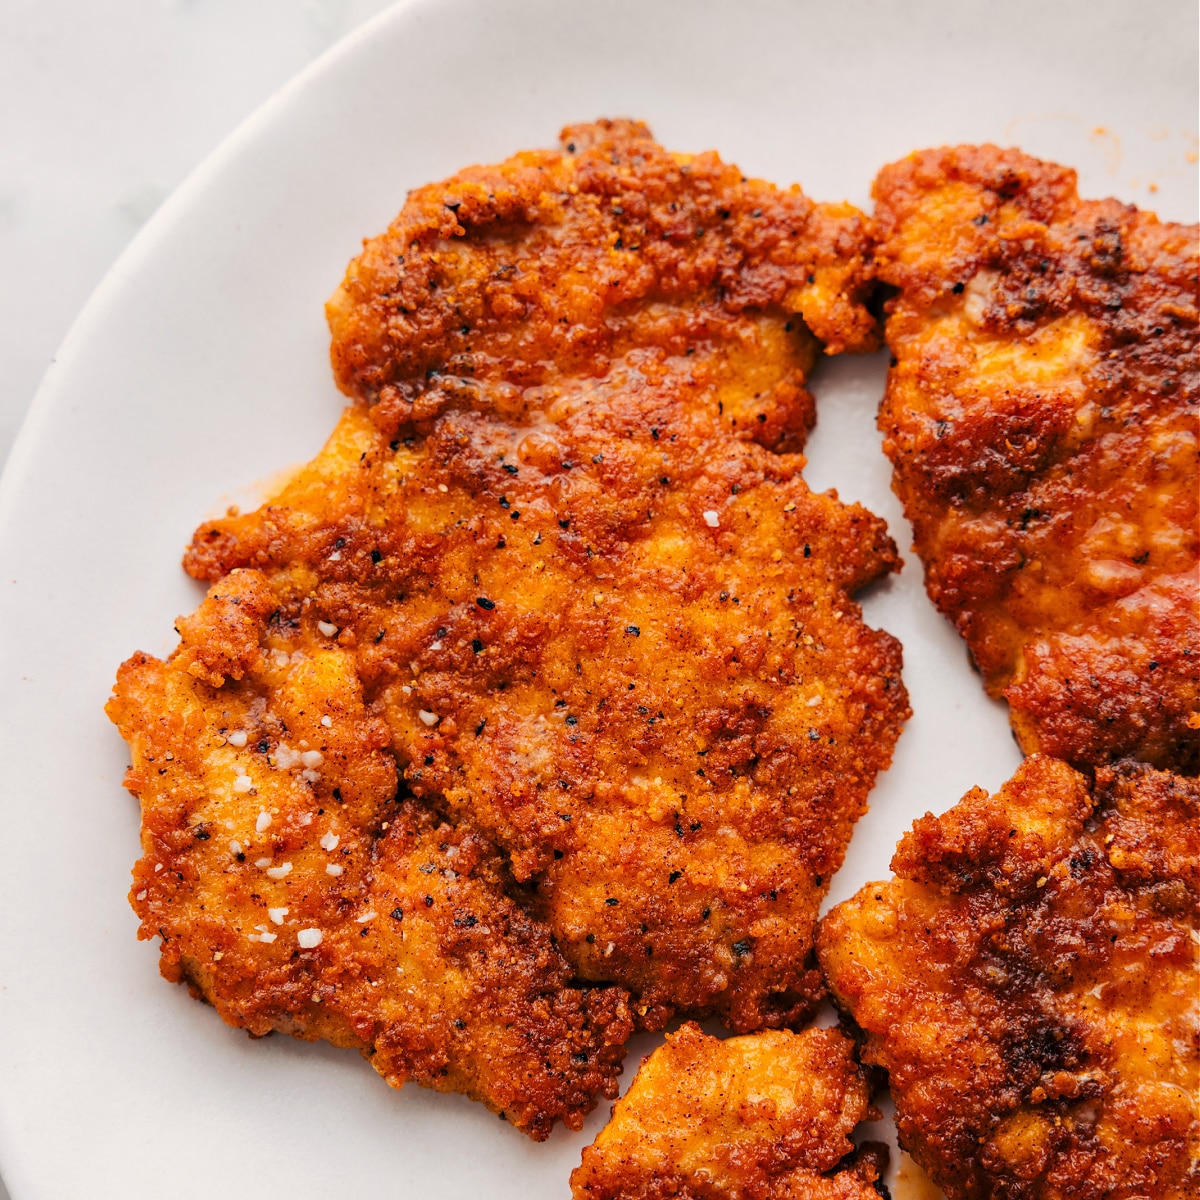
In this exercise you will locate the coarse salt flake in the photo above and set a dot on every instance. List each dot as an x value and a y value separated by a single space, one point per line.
333 868
367 916
329 841
310 776
435 645
262 862
277 915
242 784
235 847
281 871
712 518
263 937
286 757
328 629
142 894
336 556
326 722
428 718
263 822
238 738
312 758
308 938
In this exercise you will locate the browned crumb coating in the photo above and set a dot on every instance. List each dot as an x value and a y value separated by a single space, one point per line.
555 267
765 1116
1030 982
291 890
1041 415
600 613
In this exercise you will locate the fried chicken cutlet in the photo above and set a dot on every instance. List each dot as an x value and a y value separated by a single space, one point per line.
292 891
602 615
764 1116
1030 982
1041 416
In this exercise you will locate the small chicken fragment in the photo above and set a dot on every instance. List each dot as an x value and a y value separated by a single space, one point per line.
1042 418
763 1116
1031 983
294 891
582 578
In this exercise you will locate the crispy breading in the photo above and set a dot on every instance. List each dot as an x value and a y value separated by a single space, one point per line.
557 267
294 892
1030 982
764 1116
603 620
1041 415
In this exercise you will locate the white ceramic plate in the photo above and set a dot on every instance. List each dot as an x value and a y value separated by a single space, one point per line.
200 366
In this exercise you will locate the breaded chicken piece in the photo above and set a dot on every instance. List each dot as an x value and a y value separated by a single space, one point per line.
556 268
765 1116
603 621
1041 415
292 890
670 726
1030 981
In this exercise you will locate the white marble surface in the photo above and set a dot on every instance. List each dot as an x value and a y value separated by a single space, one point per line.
106 106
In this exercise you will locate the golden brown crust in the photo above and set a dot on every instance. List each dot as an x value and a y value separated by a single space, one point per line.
1041 415
1029 981
558 264
669 727
269 819
627 623
766 1116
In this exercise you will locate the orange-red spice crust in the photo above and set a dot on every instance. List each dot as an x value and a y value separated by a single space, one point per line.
603 621
555 265
1041 415
765 1116
264 827
1029 981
